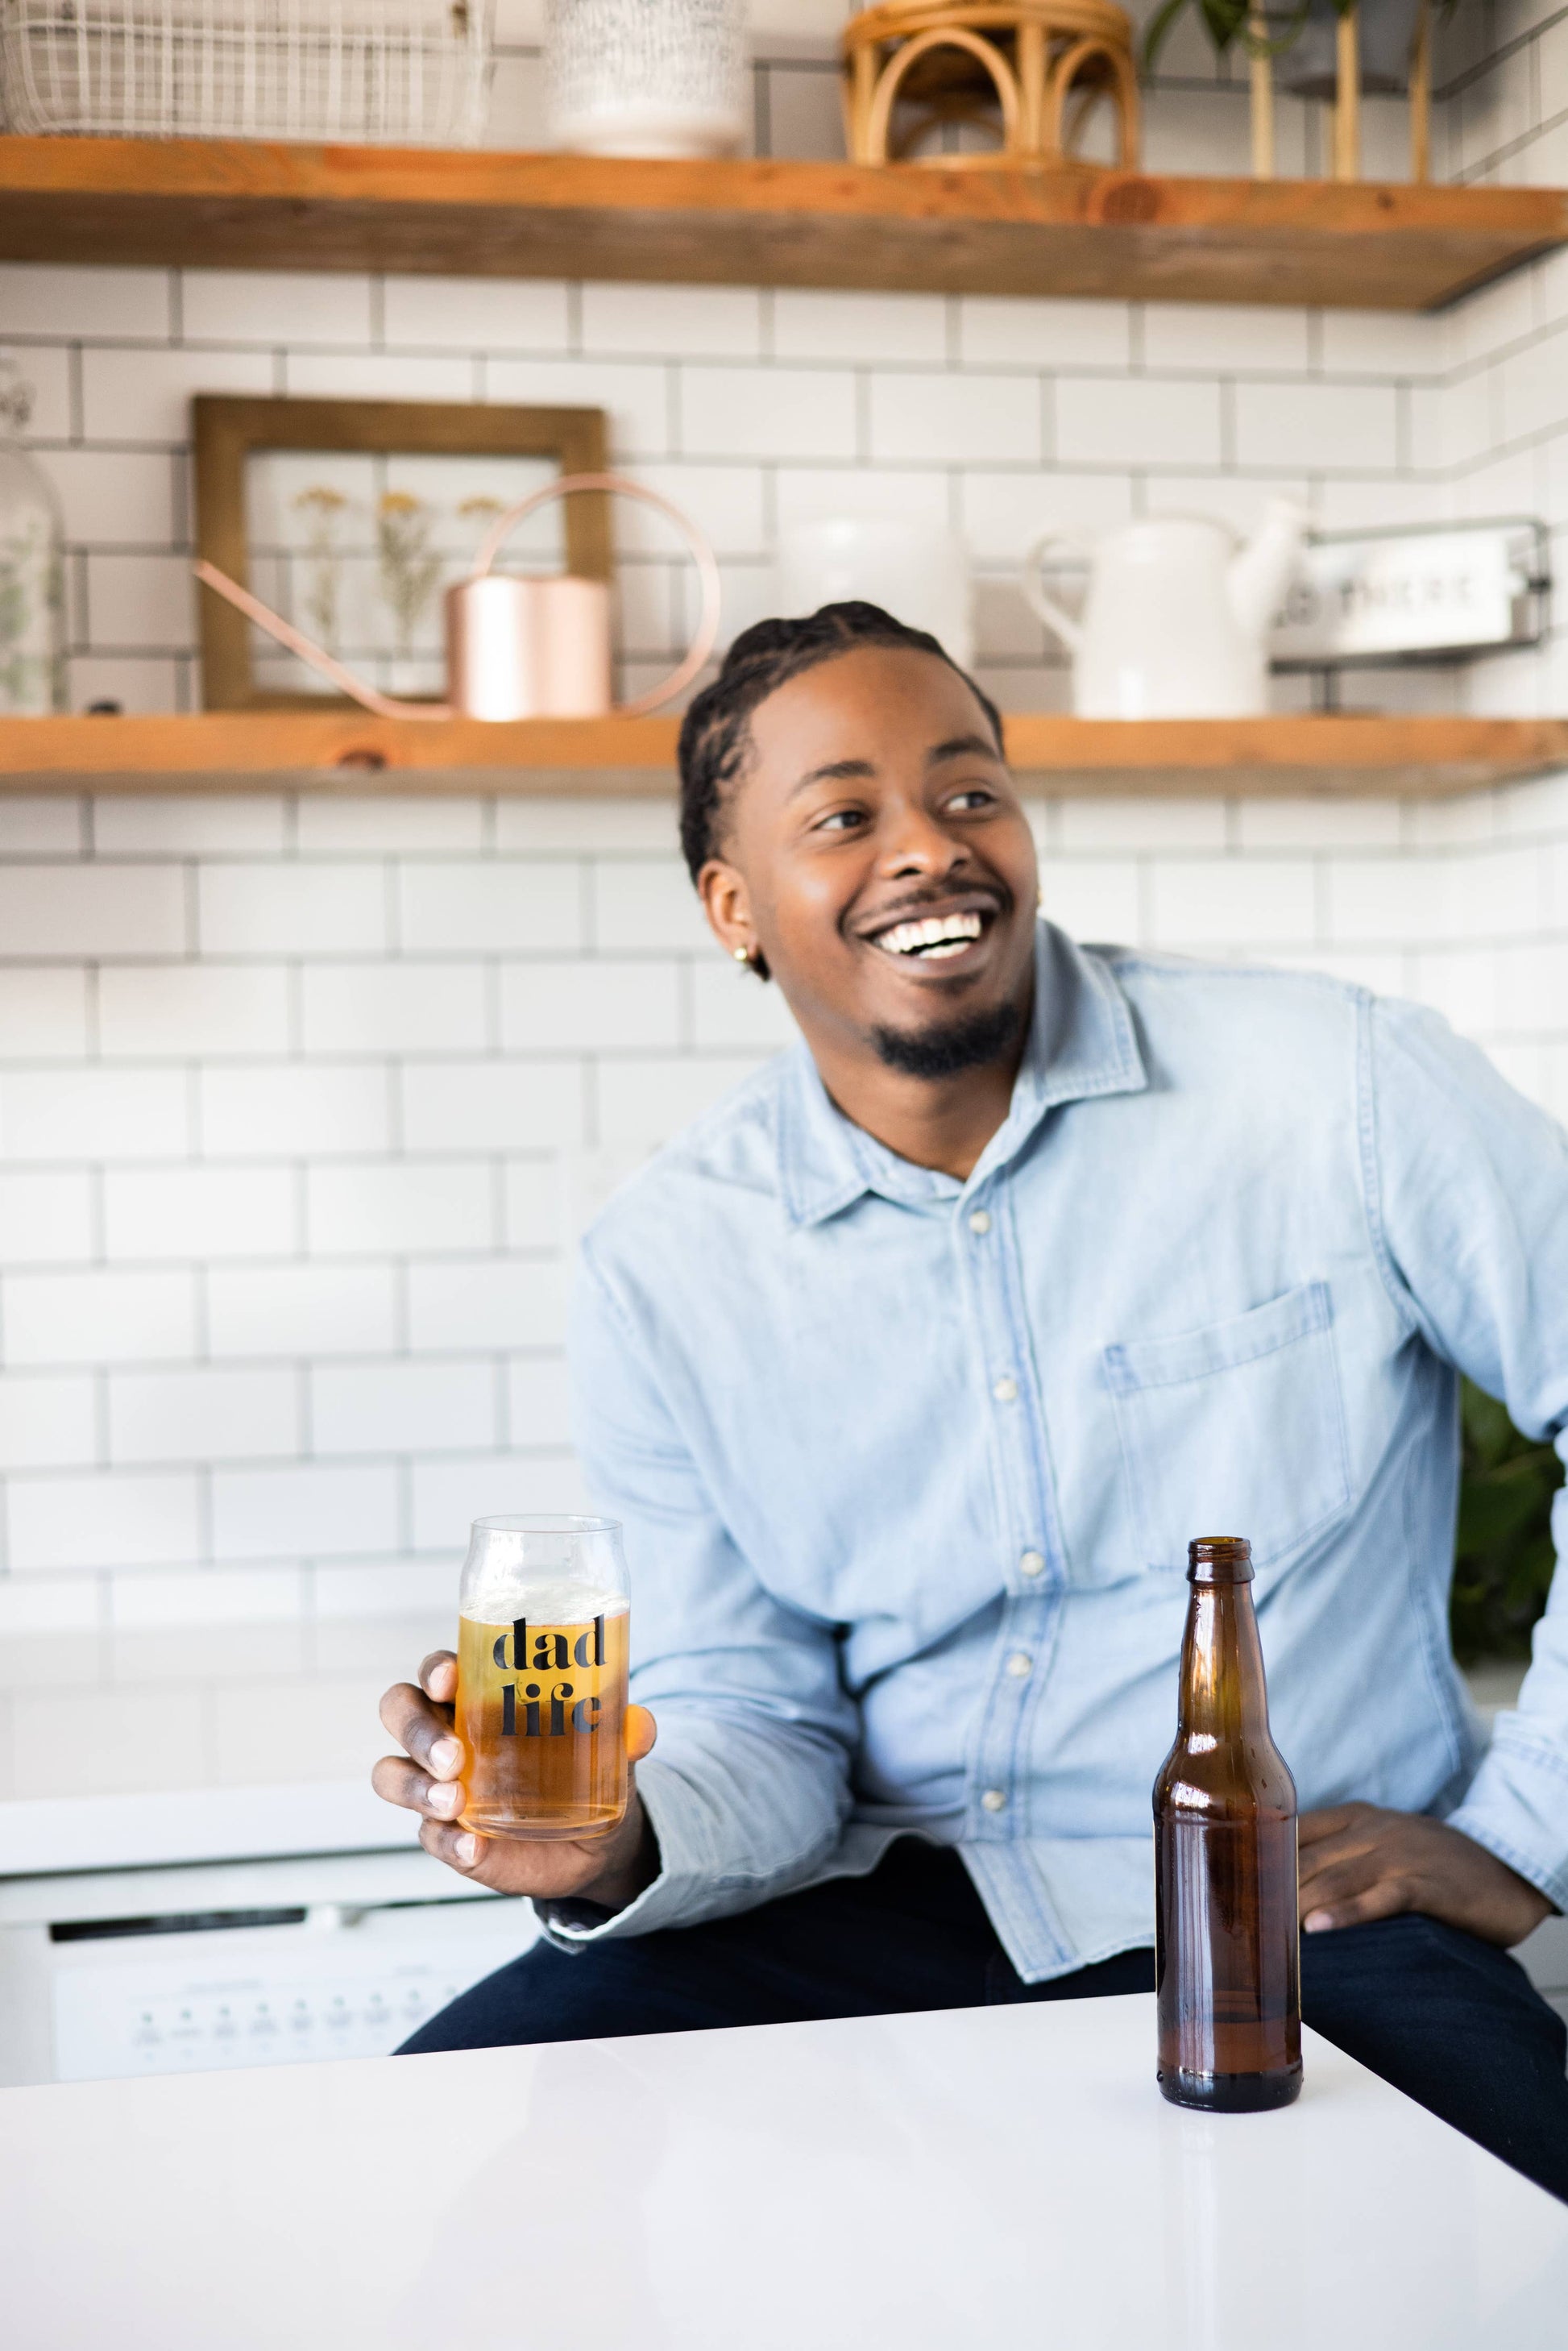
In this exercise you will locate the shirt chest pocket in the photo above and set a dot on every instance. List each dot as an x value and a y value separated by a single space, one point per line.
1236 1430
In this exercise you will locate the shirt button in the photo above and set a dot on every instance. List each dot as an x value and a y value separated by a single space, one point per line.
1005 1390
980 1221
995 1800
1020 1663
1031 1563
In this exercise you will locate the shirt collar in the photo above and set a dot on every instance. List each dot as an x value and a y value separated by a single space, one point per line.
1081 1042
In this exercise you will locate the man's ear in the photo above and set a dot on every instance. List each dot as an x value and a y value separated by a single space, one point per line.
727 904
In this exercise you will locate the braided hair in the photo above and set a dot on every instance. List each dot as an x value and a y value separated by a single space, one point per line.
715 735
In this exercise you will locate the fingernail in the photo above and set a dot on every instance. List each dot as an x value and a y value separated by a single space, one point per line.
1316 1921
468 1851
447 1755
445 1798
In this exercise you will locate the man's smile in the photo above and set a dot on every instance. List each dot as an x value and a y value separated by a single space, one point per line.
913 937
933 940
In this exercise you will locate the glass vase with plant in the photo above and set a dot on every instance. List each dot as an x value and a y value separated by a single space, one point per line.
1334 49
32 567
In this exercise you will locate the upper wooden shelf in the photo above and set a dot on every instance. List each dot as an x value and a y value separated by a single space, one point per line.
348 752
240 203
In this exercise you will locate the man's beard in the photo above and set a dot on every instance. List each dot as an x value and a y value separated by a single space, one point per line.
971 1042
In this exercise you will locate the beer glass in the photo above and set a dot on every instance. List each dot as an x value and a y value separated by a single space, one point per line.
541 1678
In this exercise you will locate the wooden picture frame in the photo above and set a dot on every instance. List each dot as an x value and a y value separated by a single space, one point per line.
228 431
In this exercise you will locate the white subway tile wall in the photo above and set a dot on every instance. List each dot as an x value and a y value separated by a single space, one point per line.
303 1102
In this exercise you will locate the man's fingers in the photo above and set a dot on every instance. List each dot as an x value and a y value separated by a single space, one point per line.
438 1677
1384 1900
641 1731
1328 1877
1331 1889
501 1864
1333 1821
1359 1839
423 1730
1335 1856
459 1848
398 1782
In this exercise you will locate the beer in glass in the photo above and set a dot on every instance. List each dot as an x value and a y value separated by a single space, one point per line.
541 1659
1227 1954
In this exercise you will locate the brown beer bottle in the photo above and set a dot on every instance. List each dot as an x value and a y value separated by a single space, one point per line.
1227 1953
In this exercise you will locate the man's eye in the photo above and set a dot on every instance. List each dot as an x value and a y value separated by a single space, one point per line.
841 820
974 796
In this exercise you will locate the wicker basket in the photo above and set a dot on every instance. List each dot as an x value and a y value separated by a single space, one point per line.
382 72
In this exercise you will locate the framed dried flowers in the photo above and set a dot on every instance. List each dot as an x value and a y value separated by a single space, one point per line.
352 516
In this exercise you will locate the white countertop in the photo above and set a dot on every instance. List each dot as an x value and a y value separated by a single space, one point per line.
989 2176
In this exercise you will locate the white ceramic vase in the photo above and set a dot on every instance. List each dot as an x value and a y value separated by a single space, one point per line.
915 570
648 77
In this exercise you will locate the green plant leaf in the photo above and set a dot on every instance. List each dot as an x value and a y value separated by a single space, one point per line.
1504 1559
1157 29
1488 1431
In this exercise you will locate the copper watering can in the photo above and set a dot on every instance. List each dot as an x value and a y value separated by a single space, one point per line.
517 645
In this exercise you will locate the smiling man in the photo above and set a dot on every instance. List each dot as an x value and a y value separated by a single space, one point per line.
912 1367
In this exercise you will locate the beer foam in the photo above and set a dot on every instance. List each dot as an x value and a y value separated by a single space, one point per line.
506 1598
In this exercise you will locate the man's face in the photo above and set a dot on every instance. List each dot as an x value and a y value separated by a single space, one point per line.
876 853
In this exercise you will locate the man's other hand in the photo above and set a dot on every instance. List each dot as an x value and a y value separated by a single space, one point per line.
424 1779
1360 1862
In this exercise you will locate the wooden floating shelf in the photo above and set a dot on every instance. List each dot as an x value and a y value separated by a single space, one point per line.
346 752
241 203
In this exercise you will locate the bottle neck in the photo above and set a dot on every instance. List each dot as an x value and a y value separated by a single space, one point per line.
1222 1694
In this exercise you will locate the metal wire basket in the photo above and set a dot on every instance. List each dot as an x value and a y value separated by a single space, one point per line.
384 72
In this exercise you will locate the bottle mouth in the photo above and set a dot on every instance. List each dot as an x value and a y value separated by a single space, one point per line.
1219 1559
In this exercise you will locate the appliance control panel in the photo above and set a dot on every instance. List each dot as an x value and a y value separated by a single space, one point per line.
275 1996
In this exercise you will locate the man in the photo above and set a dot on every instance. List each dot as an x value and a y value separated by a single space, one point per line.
912 1367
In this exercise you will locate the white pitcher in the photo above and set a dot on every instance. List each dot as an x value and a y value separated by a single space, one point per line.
1177 618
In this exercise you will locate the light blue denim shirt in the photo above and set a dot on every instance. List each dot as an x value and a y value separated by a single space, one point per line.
908 1467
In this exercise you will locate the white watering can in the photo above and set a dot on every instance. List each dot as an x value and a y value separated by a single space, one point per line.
517 645
1176 621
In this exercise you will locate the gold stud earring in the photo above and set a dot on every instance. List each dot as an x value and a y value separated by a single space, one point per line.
741 955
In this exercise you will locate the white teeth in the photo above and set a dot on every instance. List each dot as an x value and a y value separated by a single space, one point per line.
934 939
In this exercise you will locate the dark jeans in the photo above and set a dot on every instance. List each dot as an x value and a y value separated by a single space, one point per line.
1454 2022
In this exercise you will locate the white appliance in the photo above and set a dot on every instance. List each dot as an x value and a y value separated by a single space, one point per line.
1174 624
268 1948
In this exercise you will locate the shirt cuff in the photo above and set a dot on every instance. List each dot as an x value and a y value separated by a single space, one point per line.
679 1820
1517 1806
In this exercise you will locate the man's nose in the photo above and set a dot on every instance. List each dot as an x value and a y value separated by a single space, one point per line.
915 842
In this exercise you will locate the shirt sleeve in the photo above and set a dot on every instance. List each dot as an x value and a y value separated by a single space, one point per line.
1471 1185
748 1786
